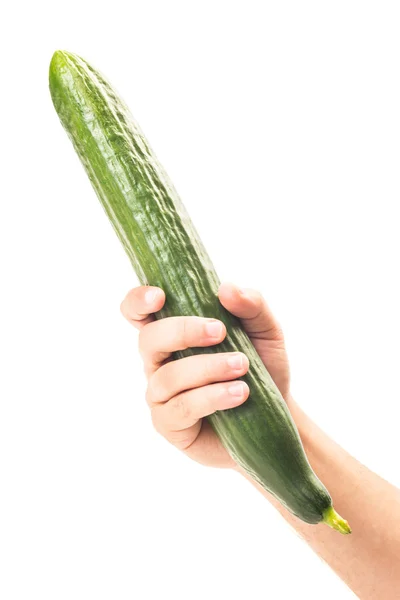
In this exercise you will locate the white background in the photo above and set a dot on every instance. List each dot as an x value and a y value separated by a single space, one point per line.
279 123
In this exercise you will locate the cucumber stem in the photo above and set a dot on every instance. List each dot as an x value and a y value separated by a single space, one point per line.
334 520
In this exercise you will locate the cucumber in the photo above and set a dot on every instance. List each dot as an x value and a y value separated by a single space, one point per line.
166 251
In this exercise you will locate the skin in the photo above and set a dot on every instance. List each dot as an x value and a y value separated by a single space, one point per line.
180 393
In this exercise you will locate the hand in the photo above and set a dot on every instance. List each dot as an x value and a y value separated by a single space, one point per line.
181 392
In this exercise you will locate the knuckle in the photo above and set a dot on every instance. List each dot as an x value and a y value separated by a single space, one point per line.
216 367
211 393
218 393
182 407
214 396
210 367
226 365
189 331
184 332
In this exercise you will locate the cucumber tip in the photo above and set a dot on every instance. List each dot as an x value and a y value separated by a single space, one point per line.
335 521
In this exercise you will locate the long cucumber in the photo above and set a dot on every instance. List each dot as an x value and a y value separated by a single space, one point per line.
166 251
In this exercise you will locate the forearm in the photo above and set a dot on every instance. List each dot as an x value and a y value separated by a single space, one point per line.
368 560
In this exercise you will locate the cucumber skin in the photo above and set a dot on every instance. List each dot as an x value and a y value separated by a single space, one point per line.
165 250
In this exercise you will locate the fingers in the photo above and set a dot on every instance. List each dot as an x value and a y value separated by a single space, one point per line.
139 304
159 339
192 372
184 410
253 311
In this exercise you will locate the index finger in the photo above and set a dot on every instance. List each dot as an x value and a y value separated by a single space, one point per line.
140 303
161 339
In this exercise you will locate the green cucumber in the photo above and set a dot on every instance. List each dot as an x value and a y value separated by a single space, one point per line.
166 251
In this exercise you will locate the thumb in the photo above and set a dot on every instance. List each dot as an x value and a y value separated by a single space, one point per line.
252 309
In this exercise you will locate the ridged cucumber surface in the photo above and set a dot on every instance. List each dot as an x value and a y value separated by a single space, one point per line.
166 251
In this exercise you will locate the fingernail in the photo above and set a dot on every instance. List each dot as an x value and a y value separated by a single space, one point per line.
235 362
150 295
214 329
236 389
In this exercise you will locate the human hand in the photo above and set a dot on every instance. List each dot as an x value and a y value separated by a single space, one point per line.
181 392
